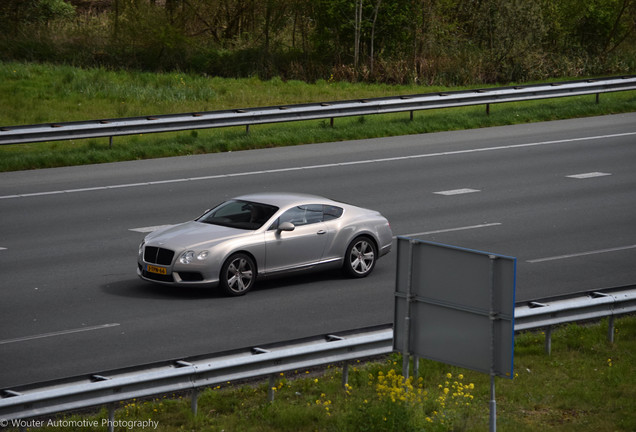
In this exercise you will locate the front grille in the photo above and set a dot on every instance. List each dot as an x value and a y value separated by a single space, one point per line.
157 255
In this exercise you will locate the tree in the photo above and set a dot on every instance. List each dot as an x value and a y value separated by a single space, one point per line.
17 13
375 19
597 26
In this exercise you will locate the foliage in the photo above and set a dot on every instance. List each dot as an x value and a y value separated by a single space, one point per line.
16 13
443 42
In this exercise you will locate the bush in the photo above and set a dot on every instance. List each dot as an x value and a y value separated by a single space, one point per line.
446 43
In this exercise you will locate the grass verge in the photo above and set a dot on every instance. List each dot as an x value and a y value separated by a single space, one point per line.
47 93
587 384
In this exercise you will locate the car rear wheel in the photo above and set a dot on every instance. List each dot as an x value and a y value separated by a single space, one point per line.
238 274
360 257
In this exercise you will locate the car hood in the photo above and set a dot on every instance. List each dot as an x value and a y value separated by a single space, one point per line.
193 234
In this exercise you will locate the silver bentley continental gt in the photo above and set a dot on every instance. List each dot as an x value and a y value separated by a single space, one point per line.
260 235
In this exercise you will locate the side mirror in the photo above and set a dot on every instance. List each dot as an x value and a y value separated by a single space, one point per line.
286 226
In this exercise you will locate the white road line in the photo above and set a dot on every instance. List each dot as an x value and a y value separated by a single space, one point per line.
457 191
332 165
454 229
594 252
1 248
588 175
149 229
59 333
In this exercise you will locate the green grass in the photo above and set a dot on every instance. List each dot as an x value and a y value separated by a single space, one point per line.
35 93
587 384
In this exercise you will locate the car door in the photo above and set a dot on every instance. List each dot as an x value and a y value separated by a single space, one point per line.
301 247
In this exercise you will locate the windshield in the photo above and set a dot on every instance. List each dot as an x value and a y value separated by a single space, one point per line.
239 214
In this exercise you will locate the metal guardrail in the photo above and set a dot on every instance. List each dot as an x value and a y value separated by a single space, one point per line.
189 375
560 310
276 114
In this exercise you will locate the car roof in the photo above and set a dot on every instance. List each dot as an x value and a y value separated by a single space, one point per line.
284 199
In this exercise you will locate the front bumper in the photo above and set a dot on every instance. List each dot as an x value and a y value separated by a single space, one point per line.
175 278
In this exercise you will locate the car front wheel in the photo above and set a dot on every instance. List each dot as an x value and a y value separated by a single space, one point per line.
360 257
238 274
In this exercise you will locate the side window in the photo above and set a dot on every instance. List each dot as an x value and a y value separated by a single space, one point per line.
303 215
313 213
331 212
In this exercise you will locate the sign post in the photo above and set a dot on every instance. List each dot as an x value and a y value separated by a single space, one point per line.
456 306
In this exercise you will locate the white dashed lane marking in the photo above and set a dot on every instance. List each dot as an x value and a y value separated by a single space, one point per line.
457 191
588 175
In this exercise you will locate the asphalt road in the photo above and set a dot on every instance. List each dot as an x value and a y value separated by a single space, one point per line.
559 196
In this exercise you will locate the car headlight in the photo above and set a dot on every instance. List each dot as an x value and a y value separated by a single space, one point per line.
141 247
189 256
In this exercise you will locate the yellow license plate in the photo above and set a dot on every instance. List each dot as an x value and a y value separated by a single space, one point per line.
157 270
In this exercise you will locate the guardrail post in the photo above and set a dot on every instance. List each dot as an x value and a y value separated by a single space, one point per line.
411 115
247 129
487 109
345 375
111 418
110 142
548 340
597 98
271 387
610 329
331 122
194 401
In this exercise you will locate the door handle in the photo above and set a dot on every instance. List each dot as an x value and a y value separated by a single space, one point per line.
321 232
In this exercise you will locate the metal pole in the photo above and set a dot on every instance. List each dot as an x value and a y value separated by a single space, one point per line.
194 401
405 353
270 389
345 375
493 318
110 142
407 319
111 418
610 329
548 340
493 405
416 367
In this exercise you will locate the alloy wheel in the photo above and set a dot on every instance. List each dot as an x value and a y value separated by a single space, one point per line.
362 257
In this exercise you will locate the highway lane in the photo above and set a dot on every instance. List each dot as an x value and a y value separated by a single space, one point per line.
71 303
